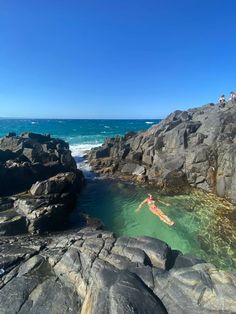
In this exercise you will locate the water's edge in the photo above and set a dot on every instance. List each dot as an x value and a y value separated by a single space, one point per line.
203 222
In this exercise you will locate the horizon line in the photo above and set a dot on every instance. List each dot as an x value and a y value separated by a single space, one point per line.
23 118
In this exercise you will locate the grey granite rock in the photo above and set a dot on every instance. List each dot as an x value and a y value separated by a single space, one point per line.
189 148
92 271
45 173
29 158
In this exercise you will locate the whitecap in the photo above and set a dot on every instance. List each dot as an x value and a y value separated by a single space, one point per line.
87 171
107 126
79 150
34 122
149 122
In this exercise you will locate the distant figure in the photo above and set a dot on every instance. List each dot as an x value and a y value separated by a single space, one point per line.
155 210
222 100
233 96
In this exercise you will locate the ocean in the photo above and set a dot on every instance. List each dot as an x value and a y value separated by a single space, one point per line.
80 134
204 224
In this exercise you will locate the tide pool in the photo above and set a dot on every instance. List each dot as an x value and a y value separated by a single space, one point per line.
204 224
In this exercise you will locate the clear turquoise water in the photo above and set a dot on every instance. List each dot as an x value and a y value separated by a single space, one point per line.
204 225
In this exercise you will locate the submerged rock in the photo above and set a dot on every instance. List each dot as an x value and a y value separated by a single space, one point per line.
194 148
92 271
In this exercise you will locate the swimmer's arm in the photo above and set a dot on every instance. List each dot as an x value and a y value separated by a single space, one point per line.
140 206
164 203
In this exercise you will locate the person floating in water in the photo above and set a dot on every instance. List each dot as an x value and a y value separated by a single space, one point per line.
155 210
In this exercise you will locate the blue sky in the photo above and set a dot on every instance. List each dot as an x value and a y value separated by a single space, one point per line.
114 59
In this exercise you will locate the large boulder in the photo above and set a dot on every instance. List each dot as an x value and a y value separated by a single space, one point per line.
45 173
29 158
45 207
57 184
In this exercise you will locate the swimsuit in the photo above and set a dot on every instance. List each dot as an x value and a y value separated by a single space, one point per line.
156 211
150 201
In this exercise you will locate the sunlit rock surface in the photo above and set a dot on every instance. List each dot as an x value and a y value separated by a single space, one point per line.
91 271
195 148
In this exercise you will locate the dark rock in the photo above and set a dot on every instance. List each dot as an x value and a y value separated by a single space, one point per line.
6 203
186 261
12 224
49 202
57 184
45 158
6 155
123 292
197 289
103 153
129 168
129 135
11 134
91 271
156 250
45 166
38 137
195 147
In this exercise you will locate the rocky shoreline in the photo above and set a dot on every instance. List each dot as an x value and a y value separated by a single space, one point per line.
90 270
193 148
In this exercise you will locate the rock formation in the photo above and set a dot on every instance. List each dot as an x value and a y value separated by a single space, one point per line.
39 183
195 148
92 271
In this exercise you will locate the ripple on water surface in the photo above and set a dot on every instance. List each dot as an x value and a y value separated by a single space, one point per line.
204 224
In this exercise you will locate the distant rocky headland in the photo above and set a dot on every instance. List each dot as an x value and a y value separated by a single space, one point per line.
91 270
193 148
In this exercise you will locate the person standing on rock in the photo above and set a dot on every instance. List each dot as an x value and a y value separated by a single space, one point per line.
155 210
222 100
233 96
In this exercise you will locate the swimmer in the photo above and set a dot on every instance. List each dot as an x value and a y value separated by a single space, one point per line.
155 210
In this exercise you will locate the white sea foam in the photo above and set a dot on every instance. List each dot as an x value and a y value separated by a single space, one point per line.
106 127
149 122
34 122
87 171
79 150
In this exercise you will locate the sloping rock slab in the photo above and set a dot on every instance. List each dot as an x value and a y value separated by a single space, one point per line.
76 273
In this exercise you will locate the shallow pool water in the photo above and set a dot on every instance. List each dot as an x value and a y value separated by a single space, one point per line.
204 224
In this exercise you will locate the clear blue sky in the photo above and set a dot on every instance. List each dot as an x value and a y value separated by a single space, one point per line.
114 58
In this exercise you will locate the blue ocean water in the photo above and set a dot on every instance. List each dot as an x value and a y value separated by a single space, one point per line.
80 134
